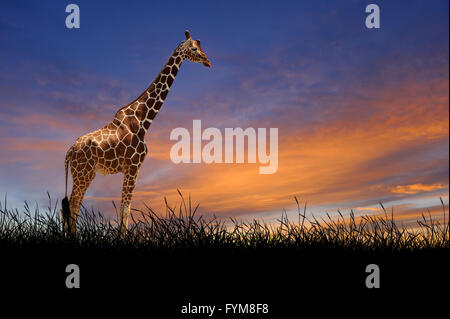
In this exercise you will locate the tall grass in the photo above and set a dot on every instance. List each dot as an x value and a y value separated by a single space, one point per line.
181 228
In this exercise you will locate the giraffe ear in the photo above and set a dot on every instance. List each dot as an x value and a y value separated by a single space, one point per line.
187 34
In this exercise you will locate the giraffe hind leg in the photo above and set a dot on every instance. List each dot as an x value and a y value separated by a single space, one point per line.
81 182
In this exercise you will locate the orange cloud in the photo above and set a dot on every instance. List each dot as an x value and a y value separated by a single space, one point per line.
373 209
30 144
416 188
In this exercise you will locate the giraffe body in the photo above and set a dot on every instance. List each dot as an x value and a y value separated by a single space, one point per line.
119 147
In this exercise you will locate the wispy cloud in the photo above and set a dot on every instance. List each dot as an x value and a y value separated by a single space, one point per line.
416 188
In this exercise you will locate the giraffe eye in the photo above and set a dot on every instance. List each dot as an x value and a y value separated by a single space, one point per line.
194 49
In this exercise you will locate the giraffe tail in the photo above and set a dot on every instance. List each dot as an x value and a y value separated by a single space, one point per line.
65 202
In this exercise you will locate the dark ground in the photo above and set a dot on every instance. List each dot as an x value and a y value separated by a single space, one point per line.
158 285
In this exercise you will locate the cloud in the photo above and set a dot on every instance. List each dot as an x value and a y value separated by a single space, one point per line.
369 208
416 188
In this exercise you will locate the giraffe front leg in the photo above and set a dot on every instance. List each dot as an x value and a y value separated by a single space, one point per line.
129 182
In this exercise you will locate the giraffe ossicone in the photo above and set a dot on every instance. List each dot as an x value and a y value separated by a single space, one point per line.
119 146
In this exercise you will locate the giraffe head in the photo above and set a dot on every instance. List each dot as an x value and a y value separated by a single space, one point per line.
192 50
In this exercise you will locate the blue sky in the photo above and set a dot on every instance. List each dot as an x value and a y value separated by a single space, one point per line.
362 114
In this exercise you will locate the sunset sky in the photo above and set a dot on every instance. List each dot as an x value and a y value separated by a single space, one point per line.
362 114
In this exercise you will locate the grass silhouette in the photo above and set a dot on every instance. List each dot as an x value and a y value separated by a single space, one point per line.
182 229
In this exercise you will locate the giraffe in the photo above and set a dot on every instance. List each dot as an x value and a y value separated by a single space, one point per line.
119 146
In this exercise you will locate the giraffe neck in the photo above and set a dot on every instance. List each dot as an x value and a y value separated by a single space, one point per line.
148 104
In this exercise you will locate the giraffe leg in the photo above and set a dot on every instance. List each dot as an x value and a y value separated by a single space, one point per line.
81 182
129 182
